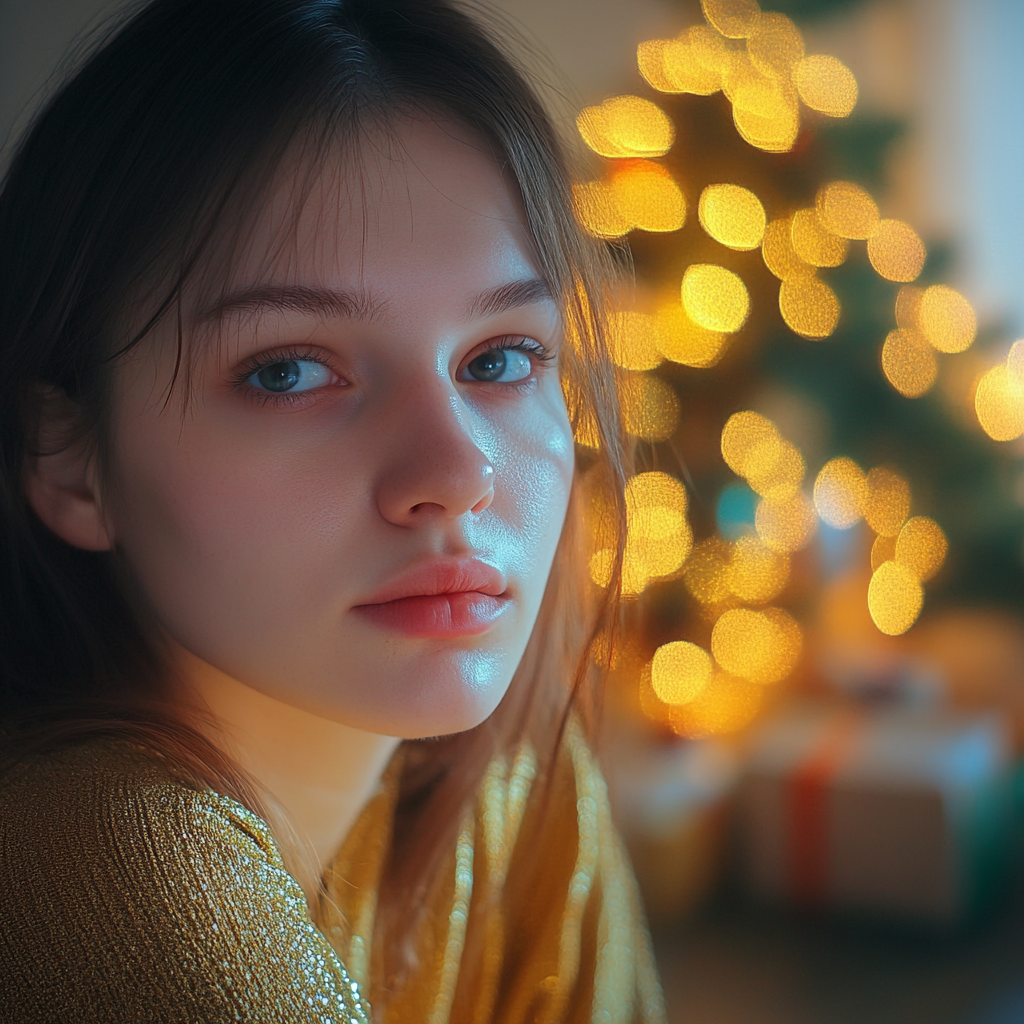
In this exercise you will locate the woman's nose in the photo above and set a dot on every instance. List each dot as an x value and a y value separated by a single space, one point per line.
435 470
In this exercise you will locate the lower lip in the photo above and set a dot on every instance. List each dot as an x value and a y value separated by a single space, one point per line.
437 616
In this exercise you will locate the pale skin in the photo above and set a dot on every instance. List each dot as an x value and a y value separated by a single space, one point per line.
425 430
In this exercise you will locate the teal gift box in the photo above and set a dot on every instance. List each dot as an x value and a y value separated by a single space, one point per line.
899 813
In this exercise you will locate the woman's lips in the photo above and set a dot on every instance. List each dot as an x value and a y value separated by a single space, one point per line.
441 599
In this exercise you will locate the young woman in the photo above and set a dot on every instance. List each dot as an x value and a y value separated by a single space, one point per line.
290 295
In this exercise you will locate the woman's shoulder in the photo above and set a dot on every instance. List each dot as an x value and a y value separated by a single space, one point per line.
108 793
127 894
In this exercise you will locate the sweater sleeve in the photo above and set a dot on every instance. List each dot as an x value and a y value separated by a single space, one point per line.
129 897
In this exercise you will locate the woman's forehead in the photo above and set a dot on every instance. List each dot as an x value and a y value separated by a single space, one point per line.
408 195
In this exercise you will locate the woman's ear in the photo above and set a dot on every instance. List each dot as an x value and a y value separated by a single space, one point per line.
61 481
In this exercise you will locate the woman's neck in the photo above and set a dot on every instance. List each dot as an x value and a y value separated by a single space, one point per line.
319 773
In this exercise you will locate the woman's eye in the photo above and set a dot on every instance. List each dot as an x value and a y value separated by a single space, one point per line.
290 375
501 366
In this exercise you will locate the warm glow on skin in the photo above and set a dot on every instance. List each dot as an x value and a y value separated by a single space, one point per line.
257 524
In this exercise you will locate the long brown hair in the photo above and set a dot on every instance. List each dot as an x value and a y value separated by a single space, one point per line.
117 197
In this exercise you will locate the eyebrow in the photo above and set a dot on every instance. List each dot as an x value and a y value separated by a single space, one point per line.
333 304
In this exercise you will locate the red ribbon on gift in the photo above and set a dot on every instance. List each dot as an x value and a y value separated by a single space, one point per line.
808 808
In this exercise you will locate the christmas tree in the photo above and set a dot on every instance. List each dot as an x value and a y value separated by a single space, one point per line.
774 298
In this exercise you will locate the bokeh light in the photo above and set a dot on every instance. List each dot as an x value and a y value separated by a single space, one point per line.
683 341
735 19
681 672
744 434
847 210
813 243
883 550
908 362
895 598
888 503
597 210
777 250
908 308
947 319
732 215
809 307
650 408
715 298
841 493
785 524
921 547
725 707
657 489
826 84
999 404
772 123
896 251
647 196
633 340
775 44
776 469
706 574
626 126
757 574
760 646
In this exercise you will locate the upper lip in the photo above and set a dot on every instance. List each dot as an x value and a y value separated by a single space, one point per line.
442 576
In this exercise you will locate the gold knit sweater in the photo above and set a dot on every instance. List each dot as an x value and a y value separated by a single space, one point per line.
127 896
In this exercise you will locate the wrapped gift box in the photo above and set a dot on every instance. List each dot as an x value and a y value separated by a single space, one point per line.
896 812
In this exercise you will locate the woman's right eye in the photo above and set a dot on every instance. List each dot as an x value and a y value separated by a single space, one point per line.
290 375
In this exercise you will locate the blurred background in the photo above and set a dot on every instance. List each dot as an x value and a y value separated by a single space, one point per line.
818 706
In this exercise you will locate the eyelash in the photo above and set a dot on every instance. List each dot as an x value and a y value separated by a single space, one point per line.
508 343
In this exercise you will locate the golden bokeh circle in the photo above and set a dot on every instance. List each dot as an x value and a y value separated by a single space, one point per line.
778 253
706 573
895 598
888 502
724 708
681 672
715 298
744 434
841 493
809 307
908 307
633 340
882 550
735 19
921 546
626 126
813 243
597 210
896 251
775 44
908 362
757 573
999 404
847 210
683 341
947 319
785 524
655 489
647 196
760 646
732 215
826 84
650 407
775 469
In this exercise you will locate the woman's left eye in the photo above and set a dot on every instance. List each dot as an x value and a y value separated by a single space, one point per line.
289 376
500 366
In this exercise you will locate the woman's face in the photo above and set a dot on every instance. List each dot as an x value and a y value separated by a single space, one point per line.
357 511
